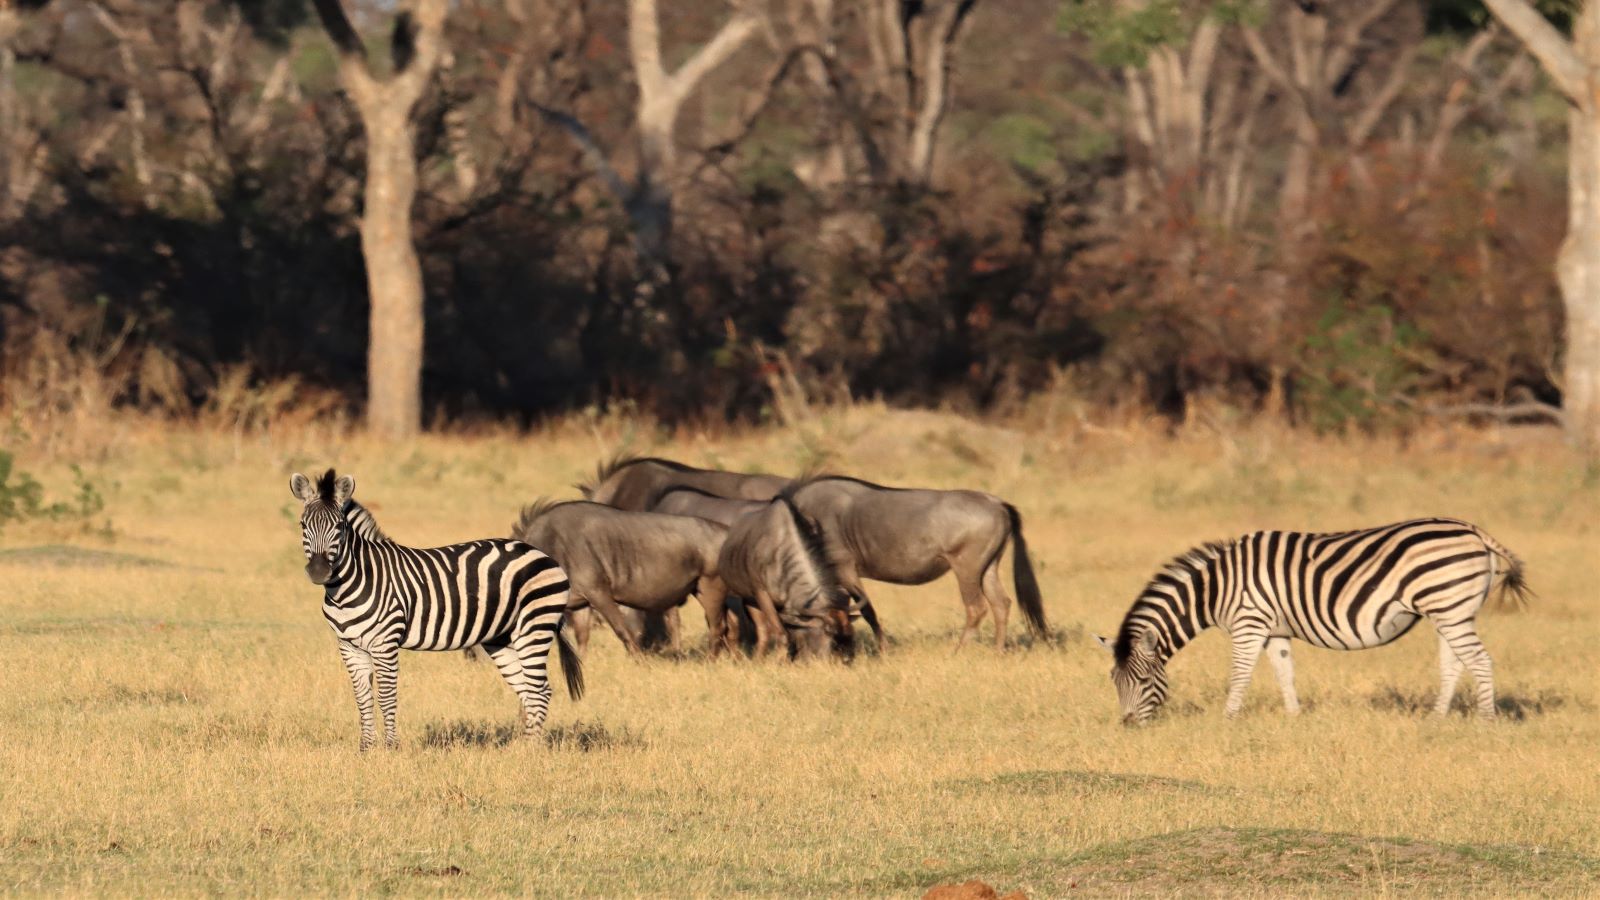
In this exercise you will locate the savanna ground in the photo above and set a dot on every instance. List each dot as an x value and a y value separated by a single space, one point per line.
174 718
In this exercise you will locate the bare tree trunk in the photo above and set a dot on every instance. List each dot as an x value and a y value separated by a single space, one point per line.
1575 68
394 274
936 65
1578 266
661 98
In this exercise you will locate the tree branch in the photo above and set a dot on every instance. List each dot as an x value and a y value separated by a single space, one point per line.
340 31
1275 71
1350 38
593 153
727 42
1547 45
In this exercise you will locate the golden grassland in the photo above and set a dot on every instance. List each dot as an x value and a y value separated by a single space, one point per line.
174 718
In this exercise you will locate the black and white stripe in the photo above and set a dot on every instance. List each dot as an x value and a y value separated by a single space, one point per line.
1349 590
381 598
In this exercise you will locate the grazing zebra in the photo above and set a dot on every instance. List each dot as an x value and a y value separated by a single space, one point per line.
1349 590
380 598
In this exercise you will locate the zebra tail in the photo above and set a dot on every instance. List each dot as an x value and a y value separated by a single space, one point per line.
1022 576
571 665
1514 593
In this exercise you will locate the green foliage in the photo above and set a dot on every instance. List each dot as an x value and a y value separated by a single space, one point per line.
1125 37
1355 364
22 496
1026 140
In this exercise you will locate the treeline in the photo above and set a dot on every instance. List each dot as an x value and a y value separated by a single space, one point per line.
1345 211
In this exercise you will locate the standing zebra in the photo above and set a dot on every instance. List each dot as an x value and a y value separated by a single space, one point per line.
380 598
1349 590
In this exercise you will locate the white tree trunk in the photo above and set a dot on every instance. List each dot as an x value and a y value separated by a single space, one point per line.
394 274
1578 272
1574 67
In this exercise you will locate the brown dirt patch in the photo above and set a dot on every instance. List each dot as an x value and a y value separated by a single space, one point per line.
970 890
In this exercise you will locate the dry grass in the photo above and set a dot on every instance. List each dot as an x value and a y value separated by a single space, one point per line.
182 725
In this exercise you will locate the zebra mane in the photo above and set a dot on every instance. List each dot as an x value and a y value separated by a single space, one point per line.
1180 566
325 486
362 523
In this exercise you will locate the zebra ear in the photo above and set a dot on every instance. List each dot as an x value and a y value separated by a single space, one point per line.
1104 644
343 489
1147 641
302 488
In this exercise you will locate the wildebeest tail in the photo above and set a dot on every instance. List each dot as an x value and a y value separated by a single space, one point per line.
1514 592
1022 575
571 662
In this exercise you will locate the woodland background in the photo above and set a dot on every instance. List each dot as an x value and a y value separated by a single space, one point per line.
1343 213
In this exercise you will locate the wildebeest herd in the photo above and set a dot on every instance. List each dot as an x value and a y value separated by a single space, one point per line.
777 565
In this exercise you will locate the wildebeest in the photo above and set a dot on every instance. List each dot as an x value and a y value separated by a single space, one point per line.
632 482
649 561
682 500
776 558
689 501
652 630
912 536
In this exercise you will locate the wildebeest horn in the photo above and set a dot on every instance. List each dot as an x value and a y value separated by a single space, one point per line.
856 605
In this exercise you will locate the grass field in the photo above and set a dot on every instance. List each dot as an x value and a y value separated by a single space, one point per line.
174 718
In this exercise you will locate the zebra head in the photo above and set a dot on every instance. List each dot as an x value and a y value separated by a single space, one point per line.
322 521
1139 675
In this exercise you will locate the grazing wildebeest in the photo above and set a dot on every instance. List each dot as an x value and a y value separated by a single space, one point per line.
649 561
681 500
689 501
632 482
912 536
776 558
653 630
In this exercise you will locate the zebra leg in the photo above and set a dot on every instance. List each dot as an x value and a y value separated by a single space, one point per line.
1450 667
386 668
1278 653
1246 649
359 665
532 645
1463 639
510 663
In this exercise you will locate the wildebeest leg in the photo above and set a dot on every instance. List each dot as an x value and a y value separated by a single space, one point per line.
603 604
768 624
713 594
579 620
673 624
972 599
999 601
850 580
870 615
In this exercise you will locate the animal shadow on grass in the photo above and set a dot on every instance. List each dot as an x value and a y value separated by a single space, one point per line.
583 737
1516 707
1052 781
